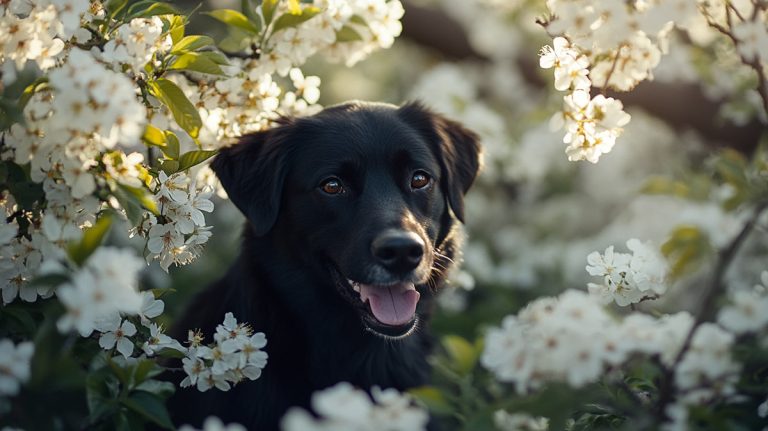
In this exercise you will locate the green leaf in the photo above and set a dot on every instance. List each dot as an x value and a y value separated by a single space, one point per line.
685 249
153 136
433 399
149 406
24 79
290 20
249 10
191 43
98 394
145 369
171 149
169 166
146 9
192 158
114 7
294 7
176 28
463 354
10 114
215 57
235 19
54 279
27 193
268 10
122 374
145 199
347 34
197 63
92 238
157 387
130 205
184 112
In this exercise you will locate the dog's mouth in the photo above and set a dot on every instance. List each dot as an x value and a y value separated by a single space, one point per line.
388 311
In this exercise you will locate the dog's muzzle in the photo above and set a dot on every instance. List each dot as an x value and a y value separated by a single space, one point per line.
388 311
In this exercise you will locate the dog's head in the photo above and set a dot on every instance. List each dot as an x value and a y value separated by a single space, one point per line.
371 190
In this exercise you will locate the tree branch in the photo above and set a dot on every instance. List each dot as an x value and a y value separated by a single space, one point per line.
707 308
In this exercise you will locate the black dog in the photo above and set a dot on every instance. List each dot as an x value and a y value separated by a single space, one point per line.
351 228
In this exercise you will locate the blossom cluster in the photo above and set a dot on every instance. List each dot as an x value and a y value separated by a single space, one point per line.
572 338
36 31
102 289
213 423
747 309
15 362
90 110
135 44
295 45
346 408
617 45
628 278
592 124
506 421
177 234
236 355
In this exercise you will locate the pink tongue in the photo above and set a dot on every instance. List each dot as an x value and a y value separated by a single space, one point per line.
393 305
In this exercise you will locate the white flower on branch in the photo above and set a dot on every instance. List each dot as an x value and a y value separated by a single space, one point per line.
628 279
505 421
135 44
572 339
14 365
116 333
343 407
106 285
214 424
150 307
235 355
707 368
753 39
747 310
158 341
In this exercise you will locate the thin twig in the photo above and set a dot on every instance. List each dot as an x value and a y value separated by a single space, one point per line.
713 292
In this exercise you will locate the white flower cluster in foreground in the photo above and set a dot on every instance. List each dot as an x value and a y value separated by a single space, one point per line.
295 45
90 110
213 423
178 234
747 310
105 287
572 339
506 421
135 44
628 278
14 365
33 31
236 355
345 408
592 124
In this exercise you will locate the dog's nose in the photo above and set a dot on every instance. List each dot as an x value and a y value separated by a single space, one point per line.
398 250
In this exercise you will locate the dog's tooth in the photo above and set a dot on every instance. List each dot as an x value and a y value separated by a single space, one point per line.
356 287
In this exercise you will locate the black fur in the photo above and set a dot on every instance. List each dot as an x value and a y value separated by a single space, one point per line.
297 237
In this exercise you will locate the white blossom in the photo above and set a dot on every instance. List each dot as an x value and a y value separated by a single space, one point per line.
14 365
116 334
214 424
343 407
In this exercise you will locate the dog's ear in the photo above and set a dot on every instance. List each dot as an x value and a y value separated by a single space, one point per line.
253 172
457 147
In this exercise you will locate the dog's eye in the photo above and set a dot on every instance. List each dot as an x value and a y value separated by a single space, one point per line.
332 186
420 180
